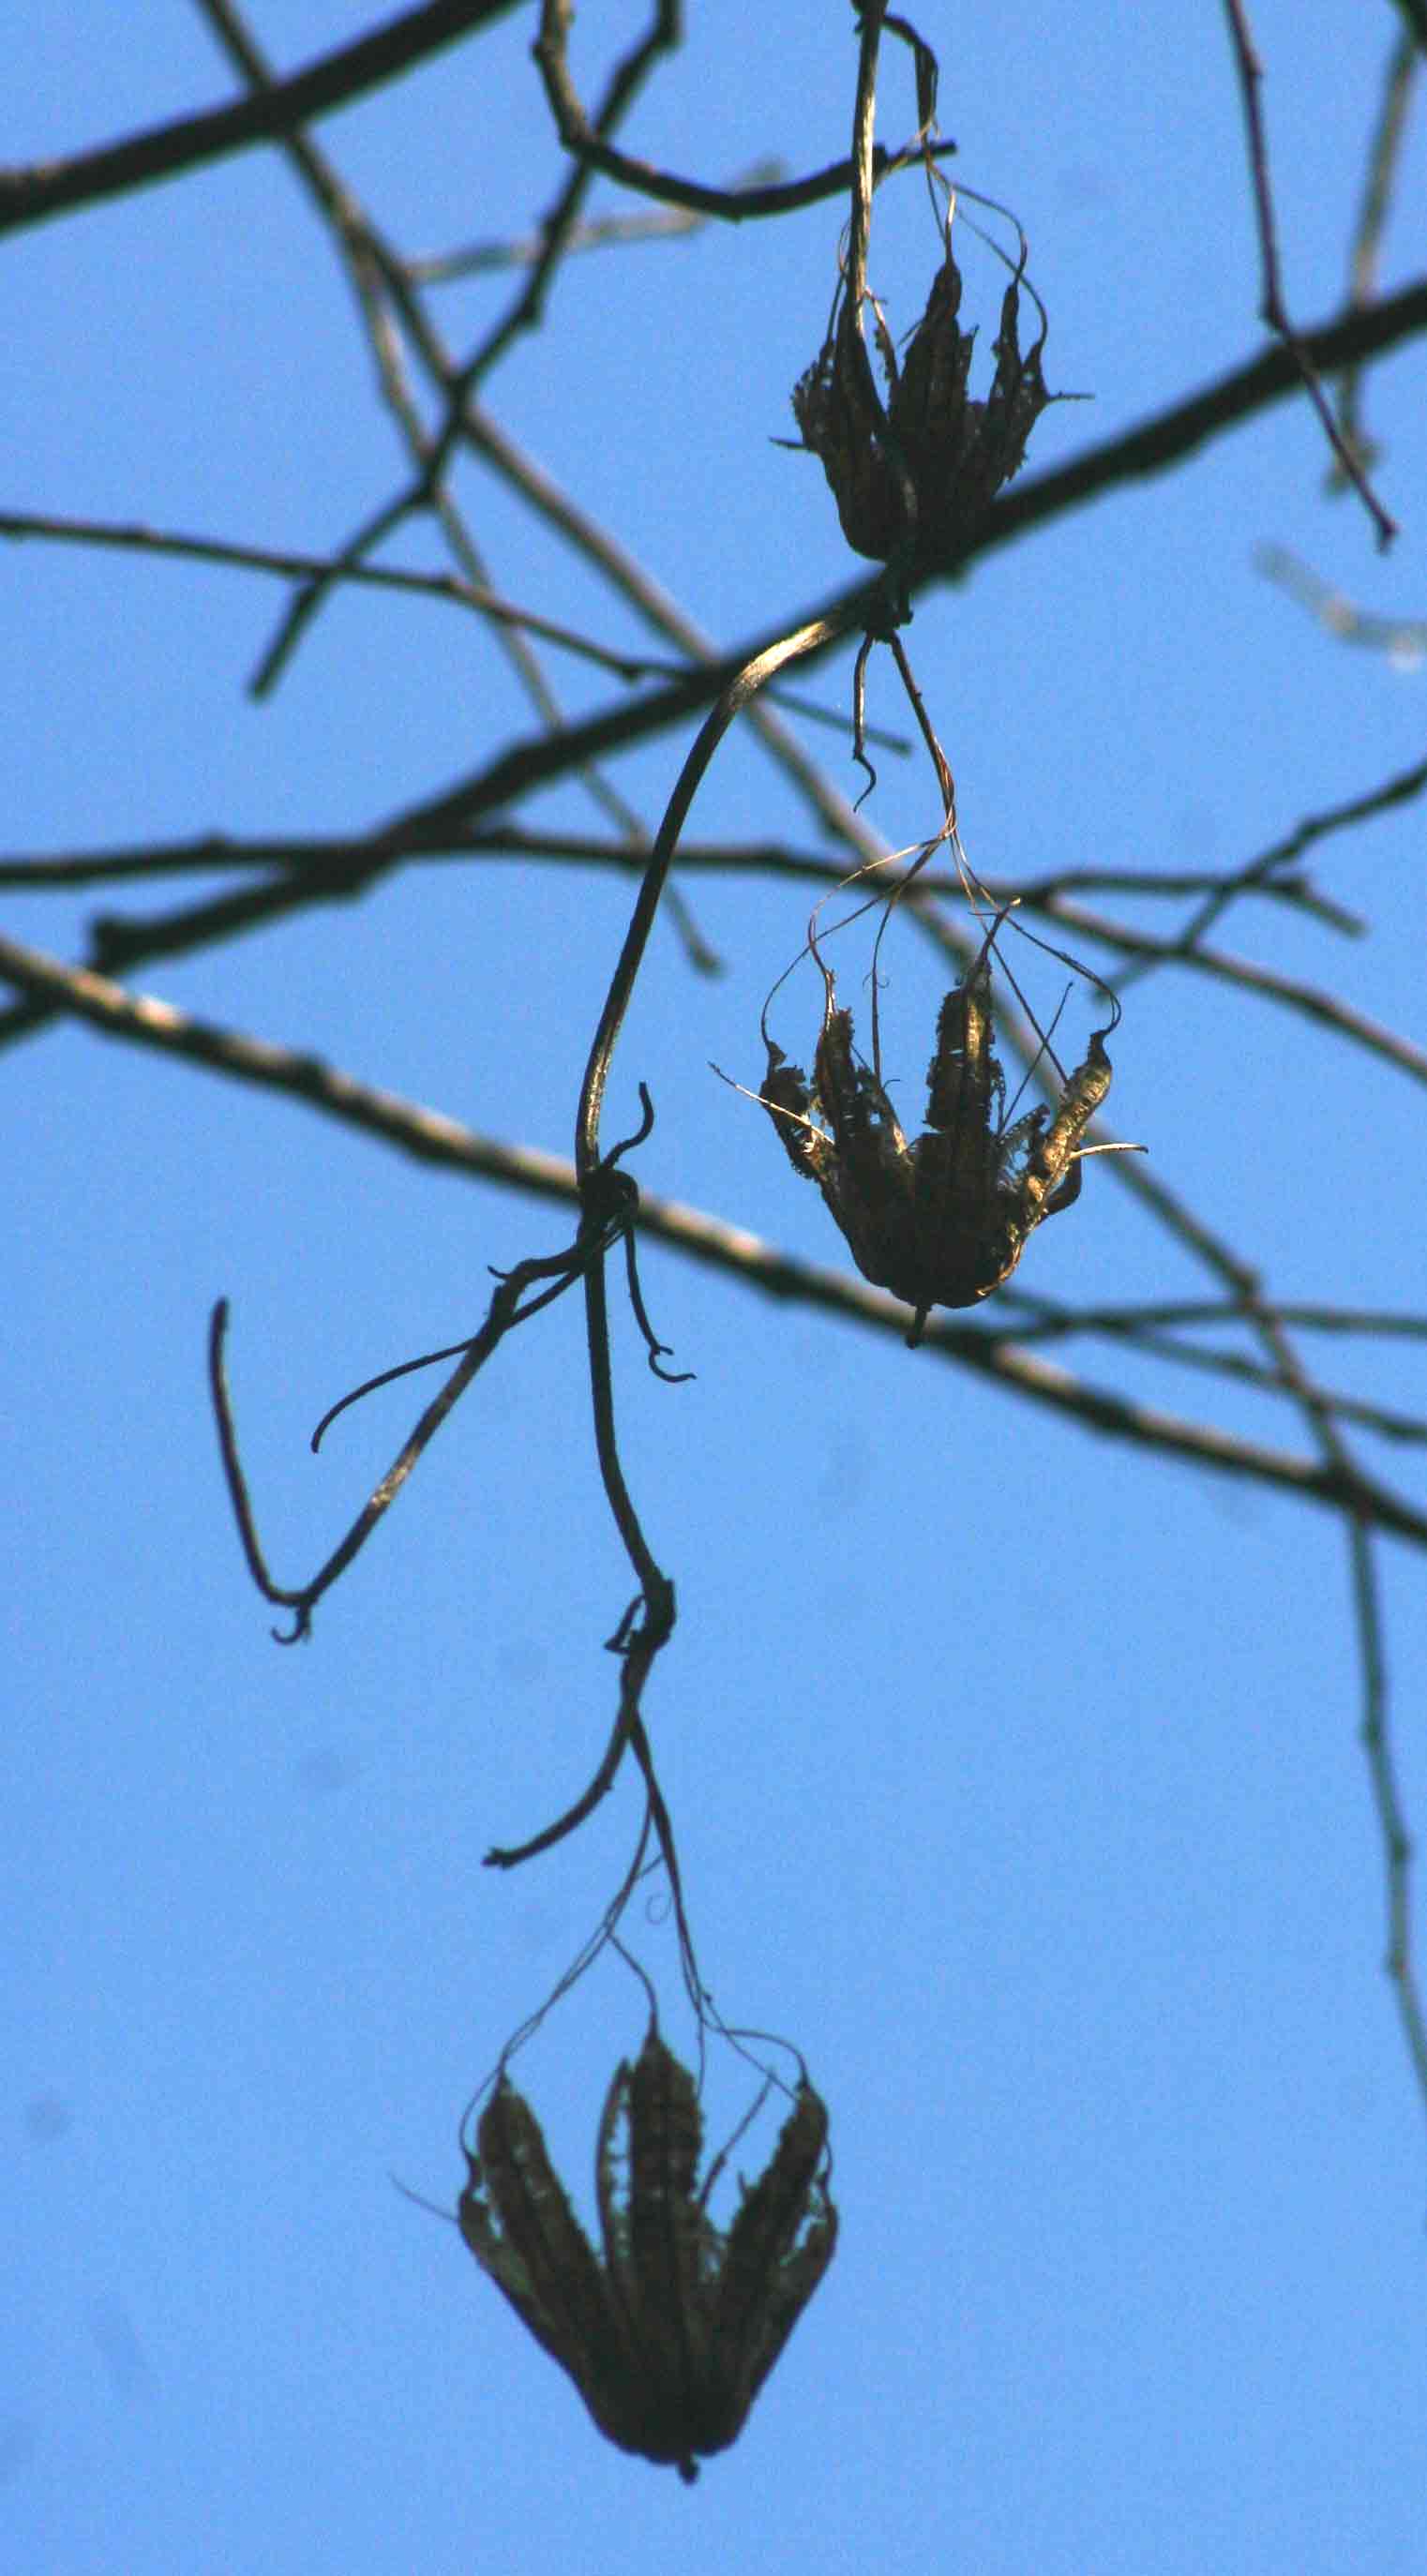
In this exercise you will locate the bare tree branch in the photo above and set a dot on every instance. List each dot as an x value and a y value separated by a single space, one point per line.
433 1138
1308 999
731 205
1402 639
597 232
538 760
1274 310
1383 158
431 393
35 195
212 852
132 537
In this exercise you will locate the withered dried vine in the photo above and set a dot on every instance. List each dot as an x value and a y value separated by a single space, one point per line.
669 2337
669 2331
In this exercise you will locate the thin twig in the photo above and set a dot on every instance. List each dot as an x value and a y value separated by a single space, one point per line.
1402 789
458 385
339 853
35 195
136 537
370 267
1154 447
1383 156
599 232
536 761
505 1312
569 1821
1306 999
1037 1319
622 89
1272 306
1403 639
1336 1463
1375 1729
607 1207
1387 1800
728 205
1141 1332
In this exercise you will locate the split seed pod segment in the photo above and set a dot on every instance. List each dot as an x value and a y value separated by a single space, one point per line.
670 2337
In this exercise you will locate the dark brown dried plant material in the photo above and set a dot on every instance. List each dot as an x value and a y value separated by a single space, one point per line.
922 475
670 2338
944 1221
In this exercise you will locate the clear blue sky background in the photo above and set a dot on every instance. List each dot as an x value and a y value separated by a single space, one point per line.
1017 1773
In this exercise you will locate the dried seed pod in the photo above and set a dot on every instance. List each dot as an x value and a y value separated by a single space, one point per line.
942 1221
670 2338
921 474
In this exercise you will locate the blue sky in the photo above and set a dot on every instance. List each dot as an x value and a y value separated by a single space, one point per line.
1016 1772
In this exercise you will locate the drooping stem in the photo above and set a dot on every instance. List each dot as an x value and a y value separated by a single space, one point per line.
744 686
